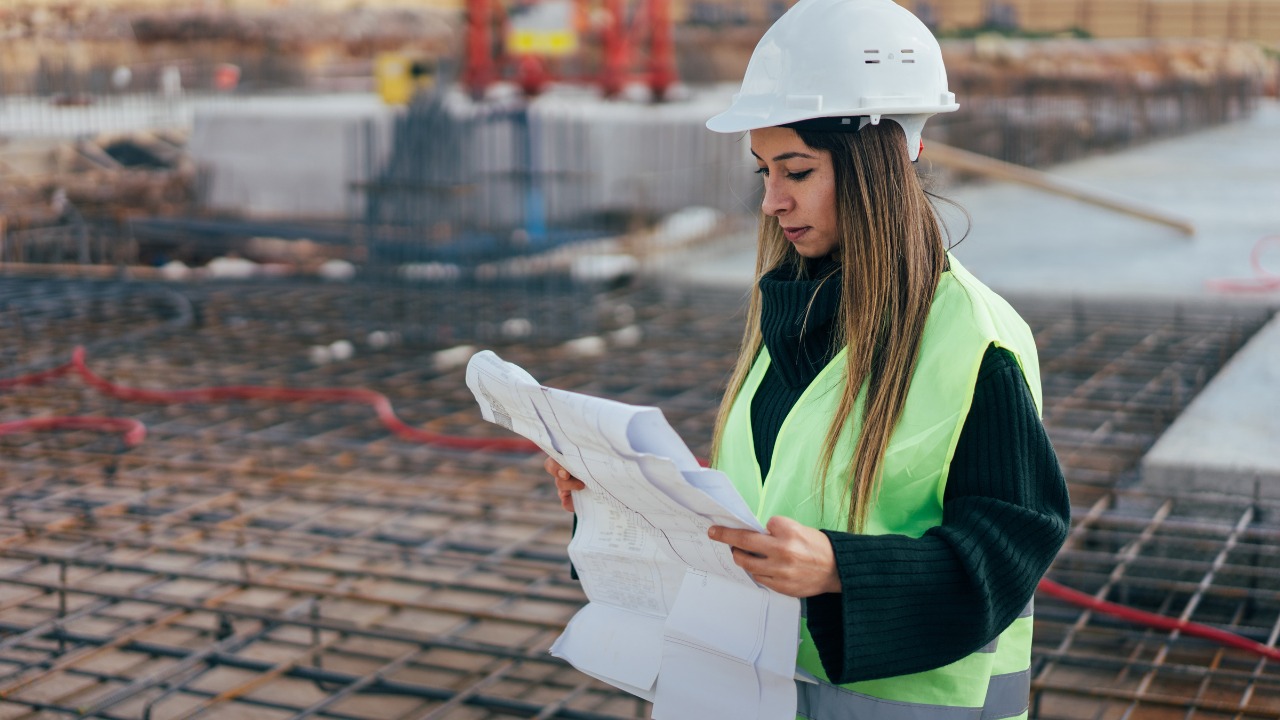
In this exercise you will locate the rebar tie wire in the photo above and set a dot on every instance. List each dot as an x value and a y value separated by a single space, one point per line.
134 432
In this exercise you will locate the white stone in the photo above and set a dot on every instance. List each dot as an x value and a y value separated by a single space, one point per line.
603 268
517 328
337 270
590 346
342 350
225 268
319 354
453 357
175 270
629 336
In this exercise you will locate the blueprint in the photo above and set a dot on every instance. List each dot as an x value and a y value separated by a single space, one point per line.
670 617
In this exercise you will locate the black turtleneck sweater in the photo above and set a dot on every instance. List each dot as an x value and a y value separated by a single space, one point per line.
797 321
914 604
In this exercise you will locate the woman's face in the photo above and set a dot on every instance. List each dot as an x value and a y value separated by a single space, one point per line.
799 189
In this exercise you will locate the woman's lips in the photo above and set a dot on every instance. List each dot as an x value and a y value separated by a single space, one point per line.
794 234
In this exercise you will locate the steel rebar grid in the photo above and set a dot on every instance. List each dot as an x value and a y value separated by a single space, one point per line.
296 561
1209 561
292 575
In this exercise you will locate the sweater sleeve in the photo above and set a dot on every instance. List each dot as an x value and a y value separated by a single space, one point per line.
914 604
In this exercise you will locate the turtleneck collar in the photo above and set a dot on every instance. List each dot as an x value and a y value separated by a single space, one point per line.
796 332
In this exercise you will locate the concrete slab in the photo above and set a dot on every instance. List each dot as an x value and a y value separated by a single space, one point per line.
1224 180
1227 441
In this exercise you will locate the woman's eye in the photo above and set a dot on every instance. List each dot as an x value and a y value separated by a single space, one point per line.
790 176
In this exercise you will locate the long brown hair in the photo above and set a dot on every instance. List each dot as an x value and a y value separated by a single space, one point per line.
892 257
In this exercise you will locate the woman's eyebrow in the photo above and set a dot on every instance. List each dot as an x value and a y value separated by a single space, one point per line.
787 156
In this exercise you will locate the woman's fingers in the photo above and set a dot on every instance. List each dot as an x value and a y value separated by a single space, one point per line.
566 500
569 482
791 558
565 483
749 541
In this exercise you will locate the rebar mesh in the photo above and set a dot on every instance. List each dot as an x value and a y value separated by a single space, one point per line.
257 560
1210 562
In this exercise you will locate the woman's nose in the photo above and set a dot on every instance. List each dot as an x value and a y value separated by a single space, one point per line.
775 200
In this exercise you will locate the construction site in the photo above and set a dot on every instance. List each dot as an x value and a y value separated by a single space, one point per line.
247 249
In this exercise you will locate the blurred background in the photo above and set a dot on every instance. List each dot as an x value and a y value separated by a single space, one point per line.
247 247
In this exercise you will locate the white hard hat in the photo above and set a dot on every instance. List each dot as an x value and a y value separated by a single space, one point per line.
868 59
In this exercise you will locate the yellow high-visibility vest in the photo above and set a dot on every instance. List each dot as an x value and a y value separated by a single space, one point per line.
965 319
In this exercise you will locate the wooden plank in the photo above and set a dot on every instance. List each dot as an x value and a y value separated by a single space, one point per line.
970 162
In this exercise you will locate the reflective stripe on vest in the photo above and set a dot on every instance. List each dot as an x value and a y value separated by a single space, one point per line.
832 702
964 320
1007 697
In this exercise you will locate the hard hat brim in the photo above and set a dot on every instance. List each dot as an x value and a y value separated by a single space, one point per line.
734 121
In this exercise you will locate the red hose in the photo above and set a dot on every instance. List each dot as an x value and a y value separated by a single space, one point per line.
1263 280
379 402
1159 622
132 430
36 378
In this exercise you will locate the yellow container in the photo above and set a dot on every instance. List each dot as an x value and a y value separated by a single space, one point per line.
399 76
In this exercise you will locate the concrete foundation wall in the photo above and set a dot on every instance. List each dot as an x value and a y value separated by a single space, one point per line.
480 165
296 156
588 157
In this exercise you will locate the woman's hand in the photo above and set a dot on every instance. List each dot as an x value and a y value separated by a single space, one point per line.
791 558
565 483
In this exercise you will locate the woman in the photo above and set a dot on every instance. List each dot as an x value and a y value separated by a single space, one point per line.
883 416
